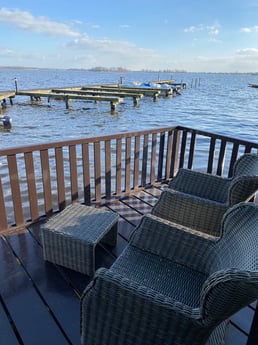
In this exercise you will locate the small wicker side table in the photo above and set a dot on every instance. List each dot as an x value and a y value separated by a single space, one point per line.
69 238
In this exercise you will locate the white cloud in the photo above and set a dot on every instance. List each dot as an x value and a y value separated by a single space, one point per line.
125 26
81 50
95 26
248 52
107 45
210 29
107 52
247 30
214 40
242 60
6 52
250 30
26 21
191 29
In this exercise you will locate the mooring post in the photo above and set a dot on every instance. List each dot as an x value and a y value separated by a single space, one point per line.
113 106
155 96
136 100
16 84
169 92
66 102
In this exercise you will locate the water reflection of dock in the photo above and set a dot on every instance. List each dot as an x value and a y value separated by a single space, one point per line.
112 93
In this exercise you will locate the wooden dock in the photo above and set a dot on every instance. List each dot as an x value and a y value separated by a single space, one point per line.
112 93
153 92
101 92
49 94
7 94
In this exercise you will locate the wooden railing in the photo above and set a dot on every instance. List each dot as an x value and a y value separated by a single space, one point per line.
38 180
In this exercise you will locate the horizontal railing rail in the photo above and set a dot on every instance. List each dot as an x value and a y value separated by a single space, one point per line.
38 180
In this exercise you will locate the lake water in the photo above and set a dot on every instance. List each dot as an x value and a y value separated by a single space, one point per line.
220 103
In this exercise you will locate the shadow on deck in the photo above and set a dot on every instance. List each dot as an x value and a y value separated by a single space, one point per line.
40 301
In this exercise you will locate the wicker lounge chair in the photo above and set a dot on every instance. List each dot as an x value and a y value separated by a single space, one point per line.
172 287
199 200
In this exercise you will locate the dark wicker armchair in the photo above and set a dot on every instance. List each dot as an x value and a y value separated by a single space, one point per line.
199 200
170 286
241 186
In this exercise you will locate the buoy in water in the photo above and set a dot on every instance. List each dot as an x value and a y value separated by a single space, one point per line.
5 122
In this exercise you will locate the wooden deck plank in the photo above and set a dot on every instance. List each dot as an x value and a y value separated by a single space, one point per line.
94 92
53 95
7 335
58 294
125 211
253 335
147 198
137 204
154 191
25 305
7 94
244 318
235 336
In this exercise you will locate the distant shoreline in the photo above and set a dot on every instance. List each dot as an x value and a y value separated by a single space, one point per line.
116 70
93 69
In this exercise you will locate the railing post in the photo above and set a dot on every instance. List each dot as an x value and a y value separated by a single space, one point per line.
175 152
3 218
16 190
86 173
60 177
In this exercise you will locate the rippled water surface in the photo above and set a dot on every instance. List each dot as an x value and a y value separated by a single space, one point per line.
220 103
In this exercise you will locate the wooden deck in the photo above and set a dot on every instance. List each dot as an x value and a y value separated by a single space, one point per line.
40 302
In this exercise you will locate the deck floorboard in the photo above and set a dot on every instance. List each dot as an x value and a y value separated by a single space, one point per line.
40 301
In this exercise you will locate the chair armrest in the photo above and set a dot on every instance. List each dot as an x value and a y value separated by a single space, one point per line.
242 189
115 308
174 242
201 184
109 283
191 211
227 291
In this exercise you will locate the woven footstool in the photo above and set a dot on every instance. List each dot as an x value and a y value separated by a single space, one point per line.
70 237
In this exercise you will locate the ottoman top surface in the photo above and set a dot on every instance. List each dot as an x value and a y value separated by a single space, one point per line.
82 222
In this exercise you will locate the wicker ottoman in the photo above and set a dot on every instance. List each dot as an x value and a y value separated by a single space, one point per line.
70 238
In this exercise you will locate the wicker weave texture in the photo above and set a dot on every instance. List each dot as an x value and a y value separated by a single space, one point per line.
174 287
190 211
199 200
70 238
241 186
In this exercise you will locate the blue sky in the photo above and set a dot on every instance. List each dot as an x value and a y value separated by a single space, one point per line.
191 35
